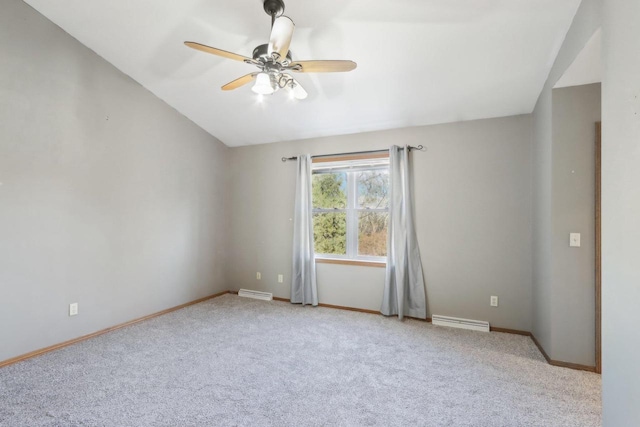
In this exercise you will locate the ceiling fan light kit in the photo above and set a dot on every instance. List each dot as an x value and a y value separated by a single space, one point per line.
274 59
298 91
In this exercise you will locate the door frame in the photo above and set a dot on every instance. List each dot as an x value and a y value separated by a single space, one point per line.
598 242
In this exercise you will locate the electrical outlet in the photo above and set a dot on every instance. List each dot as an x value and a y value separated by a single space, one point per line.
73 309
258 275
280 278
494 301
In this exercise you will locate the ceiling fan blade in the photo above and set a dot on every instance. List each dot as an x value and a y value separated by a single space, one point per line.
219 52
322 66
240 81
281 34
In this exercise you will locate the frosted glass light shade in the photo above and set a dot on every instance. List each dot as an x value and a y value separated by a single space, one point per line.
263 85
299 92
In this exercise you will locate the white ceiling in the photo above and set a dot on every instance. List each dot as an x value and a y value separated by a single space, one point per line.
419 61
587 67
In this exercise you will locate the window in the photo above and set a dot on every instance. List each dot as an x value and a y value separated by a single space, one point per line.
351 209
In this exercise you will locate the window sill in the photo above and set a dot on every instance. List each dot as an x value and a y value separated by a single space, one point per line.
351 262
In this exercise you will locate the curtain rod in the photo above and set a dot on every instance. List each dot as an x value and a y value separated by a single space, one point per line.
419 147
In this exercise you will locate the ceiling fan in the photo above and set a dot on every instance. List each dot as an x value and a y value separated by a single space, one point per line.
274 59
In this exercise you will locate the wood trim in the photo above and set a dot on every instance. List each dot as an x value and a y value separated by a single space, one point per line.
559 363
493 329
351 262
359 310
340 307
573 366
598 242
103 331
510 331
426 319
351 157
337 307
544 353
364 310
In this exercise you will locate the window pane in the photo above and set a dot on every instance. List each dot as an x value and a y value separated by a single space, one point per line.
330 233
373 189
329 190
372 233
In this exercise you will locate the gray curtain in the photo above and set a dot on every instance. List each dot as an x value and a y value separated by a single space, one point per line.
404 291
303 274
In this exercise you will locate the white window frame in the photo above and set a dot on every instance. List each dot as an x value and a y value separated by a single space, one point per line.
351 169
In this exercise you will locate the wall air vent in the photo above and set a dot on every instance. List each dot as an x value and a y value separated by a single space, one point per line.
455 322
247 293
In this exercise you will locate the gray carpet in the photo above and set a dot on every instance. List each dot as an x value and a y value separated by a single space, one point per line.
232 361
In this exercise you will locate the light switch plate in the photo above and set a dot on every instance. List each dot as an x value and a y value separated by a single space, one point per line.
574 240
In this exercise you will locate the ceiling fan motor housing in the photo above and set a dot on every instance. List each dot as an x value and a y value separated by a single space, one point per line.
262 52
274 8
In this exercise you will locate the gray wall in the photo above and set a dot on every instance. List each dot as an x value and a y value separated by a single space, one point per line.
575 112
555 314
621 214
108 197
473 218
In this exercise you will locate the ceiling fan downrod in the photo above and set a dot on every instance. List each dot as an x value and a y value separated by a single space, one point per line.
273 8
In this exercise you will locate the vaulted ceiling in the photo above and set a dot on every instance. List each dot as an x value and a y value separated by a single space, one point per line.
419 61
